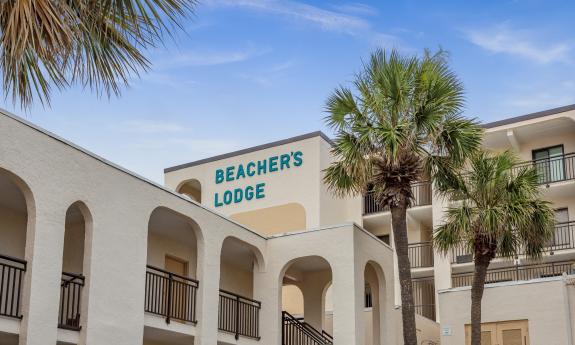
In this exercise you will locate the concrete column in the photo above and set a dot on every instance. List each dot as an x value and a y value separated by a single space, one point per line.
41 293
442 263
267 289
313 288
208 293
348 296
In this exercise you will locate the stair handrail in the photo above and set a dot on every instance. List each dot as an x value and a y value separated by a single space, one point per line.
306 328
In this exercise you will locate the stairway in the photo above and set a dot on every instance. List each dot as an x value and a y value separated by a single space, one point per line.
299 332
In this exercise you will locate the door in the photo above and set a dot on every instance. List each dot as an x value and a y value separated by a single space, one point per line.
501 333
549 164
180 295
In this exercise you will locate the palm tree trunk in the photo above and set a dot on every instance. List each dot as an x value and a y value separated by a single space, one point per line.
399 224
479 274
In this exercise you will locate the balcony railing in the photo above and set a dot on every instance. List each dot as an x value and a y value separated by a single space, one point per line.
516 273
421 197
239 315
170 295
552 169
70 298
11 276
424 297
298 332
420 254
563 238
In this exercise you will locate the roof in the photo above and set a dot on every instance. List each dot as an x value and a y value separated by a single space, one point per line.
250 149
531 116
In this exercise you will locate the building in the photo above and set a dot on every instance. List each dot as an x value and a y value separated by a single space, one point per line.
293 197
251 248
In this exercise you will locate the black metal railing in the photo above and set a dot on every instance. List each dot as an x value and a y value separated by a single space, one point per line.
170 295
420 254
239 315
422 195
552 169
424 297
296 332
70 301
11 277
563 238
516 273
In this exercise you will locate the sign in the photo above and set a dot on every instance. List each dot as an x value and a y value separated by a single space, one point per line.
251 170
446 331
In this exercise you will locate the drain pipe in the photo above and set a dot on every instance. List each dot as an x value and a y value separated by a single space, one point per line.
568 281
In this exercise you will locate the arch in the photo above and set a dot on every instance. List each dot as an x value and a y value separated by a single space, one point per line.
379 317
292 300
17 217
239 261
191 188
312 274
75 262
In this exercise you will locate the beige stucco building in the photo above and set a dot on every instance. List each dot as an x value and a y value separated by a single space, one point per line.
251 248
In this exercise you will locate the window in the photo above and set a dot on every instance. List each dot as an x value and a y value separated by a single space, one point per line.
549 164
561 231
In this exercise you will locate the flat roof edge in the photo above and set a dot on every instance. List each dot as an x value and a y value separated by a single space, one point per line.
250 149
530 116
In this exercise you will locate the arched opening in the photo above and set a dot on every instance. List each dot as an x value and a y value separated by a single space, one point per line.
373 303
16 216
171 285
311 275
77 220
239 308
191 188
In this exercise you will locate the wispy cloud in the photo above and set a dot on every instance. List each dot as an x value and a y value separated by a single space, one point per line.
502 39
196 58
144 126
267 76
345 19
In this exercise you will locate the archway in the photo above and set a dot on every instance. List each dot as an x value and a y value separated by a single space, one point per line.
16 219
376 318
191 188
78 219
171 285
239 308
312 275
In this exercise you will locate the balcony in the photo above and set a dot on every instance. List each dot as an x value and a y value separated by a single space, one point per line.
239 315
70 297
553 169
421 197
563 239
516 273
170 295
11 277
420 254
424 297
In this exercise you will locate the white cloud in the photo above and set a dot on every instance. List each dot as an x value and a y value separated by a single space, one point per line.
194 58
343 18
143 126
504 40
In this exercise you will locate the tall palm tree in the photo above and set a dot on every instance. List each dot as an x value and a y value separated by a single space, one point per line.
400 123
95 43
498 212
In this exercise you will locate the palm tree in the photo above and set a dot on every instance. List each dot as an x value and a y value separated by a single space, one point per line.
498 212
95 43
402 122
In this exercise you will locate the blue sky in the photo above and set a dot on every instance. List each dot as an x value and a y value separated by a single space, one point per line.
247 72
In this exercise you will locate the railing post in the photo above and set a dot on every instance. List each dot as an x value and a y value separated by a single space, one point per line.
169 301
237 317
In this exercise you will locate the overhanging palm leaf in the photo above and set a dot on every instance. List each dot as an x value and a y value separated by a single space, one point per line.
401 123
97 44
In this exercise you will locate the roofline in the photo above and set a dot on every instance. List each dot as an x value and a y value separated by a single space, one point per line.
121 169
250 149
531 116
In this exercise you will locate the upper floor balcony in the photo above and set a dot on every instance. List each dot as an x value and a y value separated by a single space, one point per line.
422 196
552 169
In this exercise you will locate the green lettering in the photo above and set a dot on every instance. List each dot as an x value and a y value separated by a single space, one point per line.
262 167
274 164
217 203
250 168
297 158
219 176
249 193
238 195
241 172
284 161
230 173
228 197
260 190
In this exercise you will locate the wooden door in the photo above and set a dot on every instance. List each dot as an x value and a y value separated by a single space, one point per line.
501 333
488 334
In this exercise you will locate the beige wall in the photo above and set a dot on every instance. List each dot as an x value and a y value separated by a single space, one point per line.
12 232
161 246
274 220
542 302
